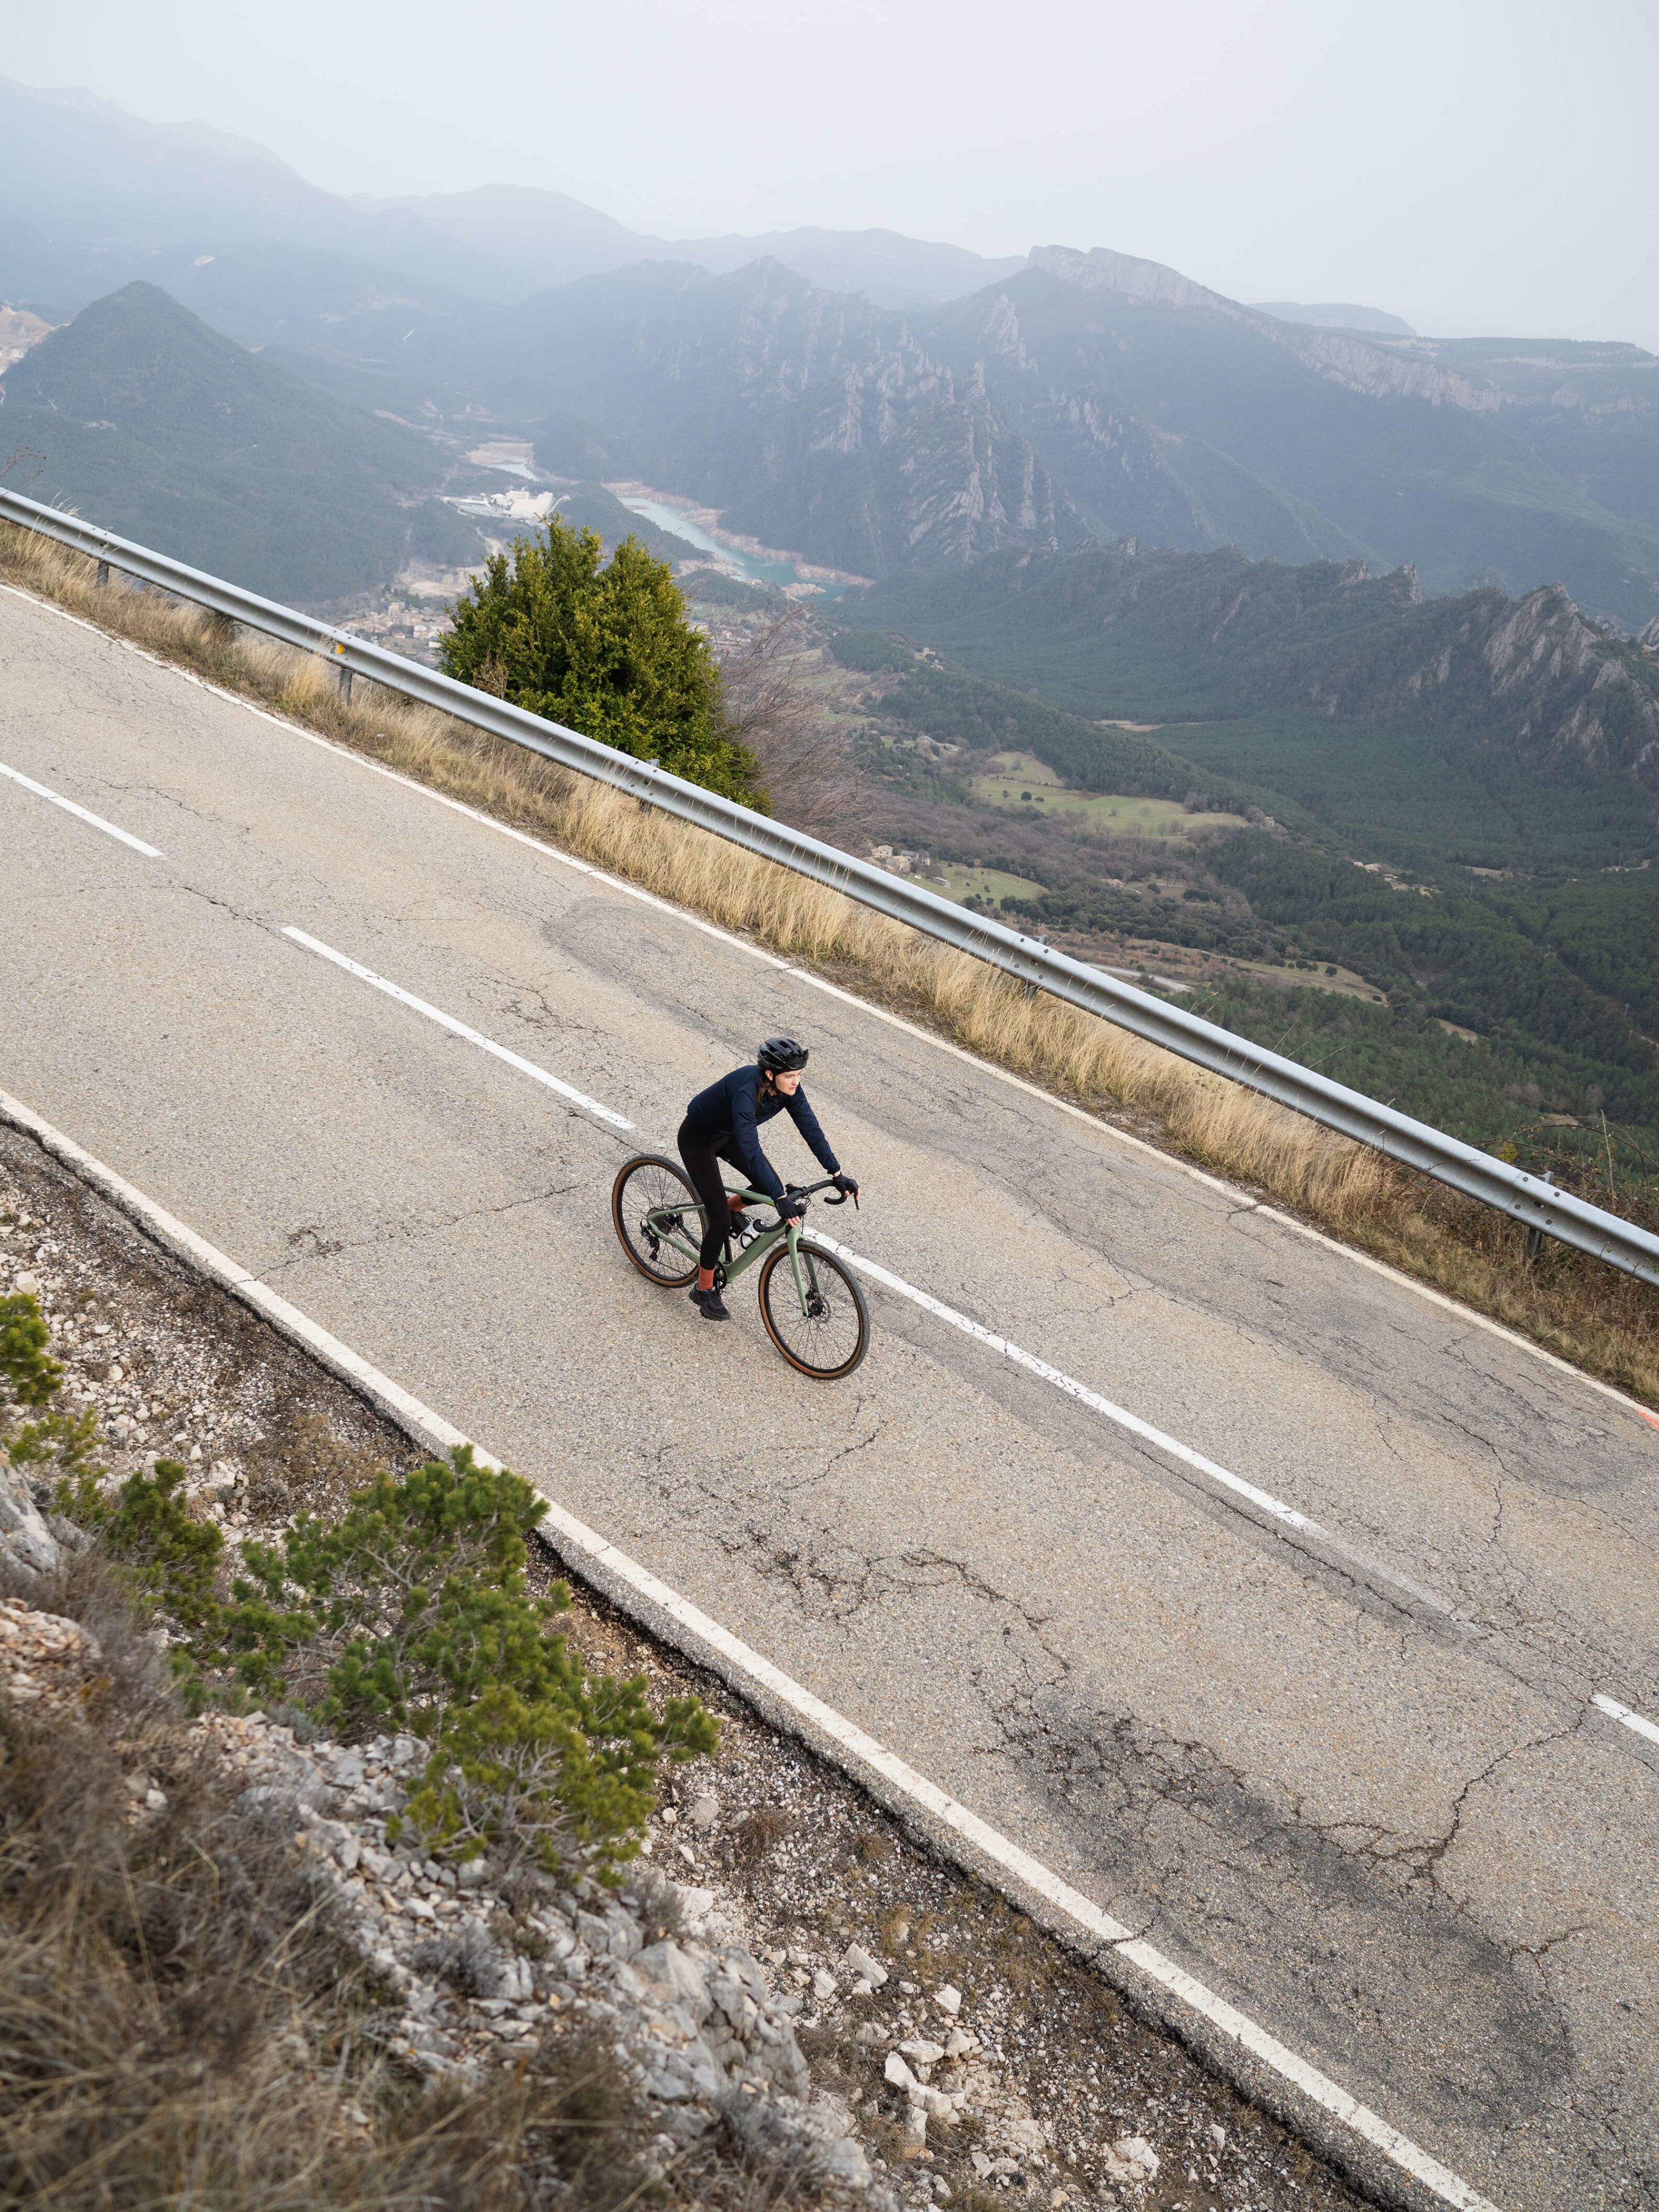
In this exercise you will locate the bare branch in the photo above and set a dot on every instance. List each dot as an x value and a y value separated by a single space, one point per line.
768 705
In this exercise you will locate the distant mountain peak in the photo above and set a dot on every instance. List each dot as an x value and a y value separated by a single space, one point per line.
1151 282
1345 357
1336 315
195 137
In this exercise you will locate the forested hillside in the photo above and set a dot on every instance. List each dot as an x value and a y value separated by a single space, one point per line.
1519 1005
1481 728
139 417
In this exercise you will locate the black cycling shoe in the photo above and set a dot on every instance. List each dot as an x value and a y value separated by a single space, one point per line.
710 1305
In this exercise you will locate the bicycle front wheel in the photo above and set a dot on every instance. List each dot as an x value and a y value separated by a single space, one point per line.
821 1327
658 1219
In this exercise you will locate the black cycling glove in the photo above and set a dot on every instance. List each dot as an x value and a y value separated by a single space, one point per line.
847 1185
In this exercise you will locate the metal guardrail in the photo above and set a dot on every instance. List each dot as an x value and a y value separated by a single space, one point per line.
1528 1199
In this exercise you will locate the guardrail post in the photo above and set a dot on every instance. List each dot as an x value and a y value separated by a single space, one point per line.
103 571
345 687
1536 1236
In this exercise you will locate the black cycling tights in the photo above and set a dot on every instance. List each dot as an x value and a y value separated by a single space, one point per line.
703 1167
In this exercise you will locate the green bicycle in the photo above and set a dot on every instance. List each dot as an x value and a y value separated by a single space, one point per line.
813 1309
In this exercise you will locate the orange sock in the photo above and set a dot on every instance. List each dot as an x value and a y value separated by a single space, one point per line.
705 1279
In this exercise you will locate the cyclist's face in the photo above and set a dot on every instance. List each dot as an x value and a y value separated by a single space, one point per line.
787 1079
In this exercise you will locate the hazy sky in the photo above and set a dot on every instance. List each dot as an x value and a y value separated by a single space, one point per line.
1476 166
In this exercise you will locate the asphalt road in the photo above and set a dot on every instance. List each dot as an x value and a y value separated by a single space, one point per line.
1352 1779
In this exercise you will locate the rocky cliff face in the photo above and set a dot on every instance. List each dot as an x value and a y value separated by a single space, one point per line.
811 418
1534 668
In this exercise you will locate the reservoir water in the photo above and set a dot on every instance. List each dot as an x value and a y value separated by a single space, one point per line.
755 567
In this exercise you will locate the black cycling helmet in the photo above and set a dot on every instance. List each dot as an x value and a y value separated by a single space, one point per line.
779 1054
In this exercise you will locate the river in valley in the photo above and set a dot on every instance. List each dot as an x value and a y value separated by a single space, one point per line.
755 567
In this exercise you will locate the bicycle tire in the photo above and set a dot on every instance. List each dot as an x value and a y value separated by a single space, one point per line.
793 1332
643 1186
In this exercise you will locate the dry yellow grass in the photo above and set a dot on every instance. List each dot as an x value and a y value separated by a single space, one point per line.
1578 1308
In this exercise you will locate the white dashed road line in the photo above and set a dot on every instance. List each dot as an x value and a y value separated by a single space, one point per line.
460 1029
1615 1710
862 1756
81 813
1211 1472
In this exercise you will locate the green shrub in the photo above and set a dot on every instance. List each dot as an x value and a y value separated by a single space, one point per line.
167 1558
412 1611
62 1442
30 1375
606 650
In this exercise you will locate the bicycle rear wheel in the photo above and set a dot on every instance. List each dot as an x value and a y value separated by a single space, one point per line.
830 1338
657 1217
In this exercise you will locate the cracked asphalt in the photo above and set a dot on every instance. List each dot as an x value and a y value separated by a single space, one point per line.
1395 1833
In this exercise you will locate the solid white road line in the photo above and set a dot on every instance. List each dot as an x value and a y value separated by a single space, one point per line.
858 1754
460 1029
1242 1201
1615 1710
81 813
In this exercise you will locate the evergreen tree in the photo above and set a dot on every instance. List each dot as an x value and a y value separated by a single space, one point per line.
605 649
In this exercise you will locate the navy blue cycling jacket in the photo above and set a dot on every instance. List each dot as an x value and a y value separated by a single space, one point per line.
729 1113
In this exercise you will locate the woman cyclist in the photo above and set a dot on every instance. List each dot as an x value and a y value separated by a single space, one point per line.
721 1123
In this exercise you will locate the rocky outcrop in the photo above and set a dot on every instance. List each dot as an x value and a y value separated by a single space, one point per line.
809 418
475 1983
1382 374
46 1664
25 1539
1535 670
1151 283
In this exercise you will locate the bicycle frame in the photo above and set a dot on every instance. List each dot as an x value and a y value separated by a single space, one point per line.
756 1248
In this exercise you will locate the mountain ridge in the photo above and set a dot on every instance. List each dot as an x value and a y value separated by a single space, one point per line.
1079 395
555 239
1203 637
1085 396
160 428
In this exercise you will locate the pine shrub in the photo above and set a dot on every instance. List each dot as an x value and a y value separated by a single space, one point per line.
607 649
412 1611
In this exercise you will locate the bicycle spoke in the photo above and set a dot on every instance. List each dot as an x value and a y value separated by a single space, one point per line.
658 1219
819 1325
